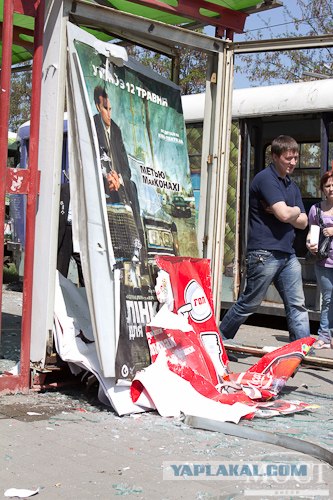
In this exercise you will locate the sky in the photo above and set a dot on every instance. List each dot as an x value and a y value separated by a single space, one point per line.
256 23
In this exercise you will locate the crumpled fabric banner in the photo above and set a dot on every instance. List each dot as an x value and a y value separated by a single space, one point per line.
184 286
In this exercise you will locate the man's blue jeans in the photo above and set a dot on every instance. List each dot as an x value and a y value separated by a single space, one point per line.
263 268
325 279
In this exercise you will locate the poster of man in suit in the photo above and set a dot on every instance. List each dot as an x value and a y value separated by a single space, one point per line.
120 191
140 140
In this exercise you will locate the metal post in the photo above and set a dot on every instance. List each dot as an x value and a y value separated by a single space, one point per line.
219 175
7 39
32 193
207 156
22 381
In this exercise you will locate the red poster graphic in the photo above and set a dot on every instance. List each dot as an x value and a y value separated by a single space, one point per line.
195 350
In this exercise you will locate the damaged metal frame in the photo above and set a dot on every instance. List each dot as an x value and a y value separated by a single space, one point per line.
275 438
217 124
215 158
153 35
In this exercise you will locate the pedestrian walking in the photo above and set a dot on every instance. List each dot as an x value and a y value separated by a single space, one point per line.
275 211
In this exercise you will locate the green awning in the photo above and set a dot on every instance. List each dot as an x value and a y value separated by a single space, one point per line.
165 17
24 25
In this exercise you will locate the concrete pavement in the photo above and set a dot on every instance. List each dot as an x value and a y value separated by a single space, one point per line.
69 446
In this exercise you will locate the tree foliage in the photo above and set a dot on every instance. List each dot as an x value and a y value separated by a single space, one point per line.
314 17
193 67
192 79
20 99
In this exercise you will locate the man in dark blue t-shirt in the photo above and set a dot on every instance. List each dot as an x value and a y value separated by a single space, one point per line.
275 210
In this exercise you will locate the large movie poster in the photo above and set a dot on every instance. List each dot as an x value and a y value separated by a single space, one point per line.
140 143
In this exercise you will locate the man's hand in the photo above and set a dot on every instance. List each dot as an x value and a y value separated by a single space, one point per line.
289 215
269 210
113 180
301 222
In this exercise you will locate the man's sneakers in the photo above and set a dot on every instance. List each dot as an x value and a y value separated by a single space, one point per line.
321 344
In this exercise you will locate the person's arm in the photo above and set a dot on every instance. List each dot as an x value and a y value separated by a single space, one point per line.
301 222
273 202
289 215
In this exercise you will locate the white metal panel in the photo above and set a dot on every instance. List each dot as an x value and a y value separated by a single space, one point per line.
193 107
288 98
90 217
50 157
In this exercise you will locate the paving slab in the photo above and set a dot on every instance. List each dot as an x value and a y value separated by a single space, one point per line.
68 445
